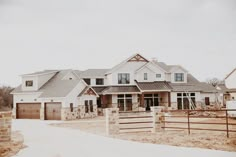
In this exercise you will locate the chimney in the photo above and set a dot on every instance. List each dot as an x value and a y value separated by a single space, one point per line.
154 59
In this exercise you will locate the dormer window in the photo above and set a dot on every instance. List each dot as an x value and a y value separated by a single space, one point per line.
29 83
145 75
179 77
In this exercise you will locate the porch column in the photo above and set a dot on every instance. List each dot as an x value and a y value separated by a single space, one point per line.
142 100
169 100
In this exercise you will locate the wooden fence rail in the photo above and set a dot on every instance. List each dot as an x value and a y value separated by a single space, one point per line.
189 117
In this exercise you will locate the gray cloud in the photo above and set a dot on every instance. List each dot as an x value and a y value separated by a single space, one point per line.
36 35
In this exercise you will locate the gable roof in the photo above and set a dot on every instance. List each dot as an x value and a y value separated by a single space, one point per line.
125 61
230 73
224 89
55 87
146 65
90 73
193 85
88 91
40 73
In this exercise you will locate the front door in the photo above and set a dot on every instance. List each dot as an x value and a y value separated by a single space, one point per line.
148 103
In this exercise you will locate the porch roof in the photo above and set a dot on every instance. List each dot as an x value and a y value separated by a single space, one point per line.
121 90
154 86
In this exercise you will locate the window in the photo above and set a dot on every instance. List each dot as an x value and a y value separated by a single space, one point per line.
179 77
29 83
99 81
86 106
124 102
158 75
91 105
87 80
184 100
123 78
145 75
71 107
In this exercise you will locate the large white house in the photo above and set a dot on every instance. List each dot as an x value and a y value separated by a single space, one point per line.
134 84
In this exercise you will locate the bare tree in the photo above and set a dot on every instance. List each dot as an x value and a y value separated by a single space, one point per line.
213 81
6 99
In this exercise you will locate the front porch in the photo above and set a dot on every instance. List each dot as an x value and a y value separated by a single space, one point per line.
135 102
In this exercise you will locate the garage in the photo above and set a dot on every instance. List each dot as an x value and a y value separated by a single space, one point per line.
28 110
52 111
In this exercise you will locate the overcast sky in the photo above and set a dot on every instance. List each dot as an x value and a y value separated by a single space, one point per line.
35 35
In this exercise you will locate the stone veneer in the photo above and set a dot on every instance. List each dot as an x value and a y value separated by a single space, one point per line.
112 121
5 126
78 113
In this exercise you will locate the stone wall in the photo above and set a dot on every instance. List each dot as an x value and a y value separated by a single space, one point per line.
78 113
112 121
5 126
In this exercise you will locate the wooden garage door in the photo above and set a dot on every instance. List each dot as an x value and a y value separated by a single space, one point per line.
28 110
53 111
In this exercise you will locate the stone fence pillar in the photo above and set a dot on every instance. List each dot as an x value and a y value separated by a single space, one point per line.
5 126
158 118
112 121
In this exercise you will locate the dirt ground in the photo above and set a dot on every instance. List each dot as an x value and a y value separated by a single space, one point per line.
11 148
200 139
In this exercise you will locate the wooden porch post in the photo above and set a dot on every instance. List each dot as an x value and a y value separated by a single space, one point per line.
142 100
169 100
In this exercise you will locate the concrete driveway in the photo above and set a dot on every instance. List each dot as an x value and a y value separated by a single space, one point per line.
43 140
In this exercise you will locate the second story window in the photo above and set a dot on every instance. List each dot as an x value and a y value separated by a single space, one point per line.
99 81
179 77
29 83
158 75
145 75
123 78
87 80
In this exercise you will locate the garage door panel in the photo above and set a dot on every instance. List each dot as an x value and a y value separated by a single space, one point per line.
53 111
28 110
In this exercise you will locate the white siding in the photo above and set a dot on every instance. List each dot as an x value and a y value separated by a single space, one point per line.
26 98
129 67
29 78
211 96
82 99
72 97
151 73
70 76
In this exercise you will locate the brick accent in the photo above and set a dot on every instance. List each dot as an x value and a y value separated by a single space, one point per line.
5 126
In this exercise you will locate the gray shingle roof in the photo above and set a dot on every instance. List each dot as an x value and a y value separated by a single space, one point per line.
150 86
41 72
99 89
93 73
121 89
193 85
224 89
55 87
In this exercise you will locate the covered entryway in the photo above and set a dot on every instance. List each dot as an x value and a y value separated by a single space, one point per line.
52 111
28 111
